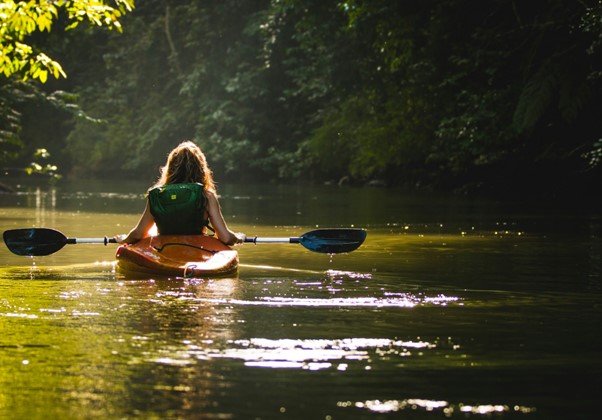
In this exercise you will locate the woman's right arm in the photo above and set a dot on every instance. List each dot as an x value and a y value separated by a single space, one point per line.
140 230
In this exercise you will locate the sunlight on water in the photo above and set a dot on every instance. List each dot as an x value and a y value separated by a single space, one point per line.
448 310
401 300
333 274
448 409
19 315
407 301
296 353
277 268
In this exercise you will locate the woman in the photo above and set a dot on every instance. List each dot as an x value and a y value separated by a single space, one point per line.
184 200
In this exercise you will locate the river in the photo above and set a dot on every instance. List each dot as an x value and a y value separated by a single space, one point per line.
454 307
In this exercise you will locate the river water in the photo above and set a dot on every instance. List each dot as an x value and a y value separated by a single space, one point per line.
454 307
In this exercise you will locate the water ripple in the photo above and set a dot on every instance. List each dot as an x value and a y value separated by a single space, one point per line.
308 354
391 406
399 301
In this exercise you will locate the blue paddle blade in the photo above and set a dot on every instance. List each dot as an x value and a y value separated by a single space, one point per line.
34 241
333 241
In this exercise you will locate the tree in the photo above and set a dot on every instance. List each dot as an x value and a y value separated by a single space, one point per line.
440 94
468 92
187 70
20 19
21 59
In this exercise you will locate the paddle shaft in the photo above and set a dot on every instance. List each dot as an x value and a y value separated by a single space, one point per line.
256 240
103 241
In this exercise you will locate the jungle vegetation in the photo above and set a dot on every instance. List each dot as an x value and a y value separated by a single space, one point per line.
454 95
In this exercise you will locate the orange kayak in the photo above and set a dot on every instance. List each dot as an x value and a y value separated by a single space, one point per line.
178 255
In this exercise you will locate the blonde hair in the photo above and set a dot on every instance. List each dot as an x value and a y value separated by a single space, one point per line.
186 163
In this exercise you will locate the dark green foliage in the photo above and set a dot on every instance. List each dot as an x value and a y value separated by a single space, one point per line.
10 120
454 94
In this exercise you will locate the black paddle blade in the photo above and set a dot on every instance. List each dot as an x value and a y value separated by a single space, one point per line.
34 241
333 241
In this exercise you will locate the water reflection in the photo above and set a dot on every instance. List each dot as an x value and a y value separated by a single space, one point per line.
445 407
450 309
316 353
405 301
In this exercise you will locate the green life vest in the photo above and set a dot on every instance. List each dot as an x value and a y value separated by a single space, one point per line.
178 209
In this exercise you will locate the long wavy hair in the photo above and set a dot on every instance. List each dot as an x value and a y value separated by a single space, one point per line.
186 163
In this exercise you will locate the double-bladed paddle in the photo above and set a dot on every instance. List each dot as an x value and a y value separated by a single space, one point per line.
44 241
